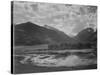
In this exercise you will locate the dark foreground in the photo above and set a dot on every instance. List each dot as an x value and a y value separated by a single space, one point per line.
21 68
35 62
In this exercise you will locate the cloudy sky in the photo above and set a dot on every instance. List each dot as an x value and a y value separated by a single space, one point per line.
68 18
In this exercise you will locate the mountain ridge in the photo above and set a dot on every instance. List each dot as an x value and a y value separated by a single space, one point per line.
30 34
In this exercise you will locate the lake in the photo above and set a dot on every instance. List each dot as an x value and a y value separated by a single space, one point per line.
46 61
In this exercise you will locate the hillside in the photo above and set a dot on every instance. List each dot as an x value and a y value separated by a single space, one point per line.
31 34
87 35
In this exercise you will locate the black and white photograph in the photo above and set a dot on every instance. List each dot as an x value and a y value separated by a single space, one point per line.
51 37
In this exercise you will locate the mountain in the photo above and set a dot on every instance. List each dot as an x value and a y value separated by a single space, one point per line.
87 35
69 40
31 34
51 28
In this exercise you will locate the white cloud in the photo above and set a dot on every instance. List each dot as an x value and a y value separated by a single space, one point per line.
70 19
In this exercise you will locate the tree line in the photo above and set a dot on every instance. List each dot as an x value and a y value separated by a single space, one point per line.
72 46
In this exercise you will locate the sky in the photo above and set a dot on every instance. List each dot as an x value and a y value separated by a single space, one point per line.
69 18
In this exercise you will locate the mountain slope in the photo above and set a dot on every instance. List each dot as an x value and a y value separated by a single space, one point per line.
32 34
87 36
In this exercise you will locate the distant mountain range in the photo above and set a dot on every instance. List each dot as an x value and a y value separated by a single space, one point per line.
32 34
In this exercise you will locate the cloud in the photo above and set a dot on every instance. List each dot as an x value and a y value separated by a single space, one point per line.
71 19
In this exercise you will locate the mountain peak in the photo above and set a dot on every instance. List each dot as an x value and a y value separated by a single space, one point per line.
28 23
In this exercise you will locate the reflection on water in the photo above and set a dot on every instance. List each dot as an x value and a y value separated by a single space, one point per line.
51 60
